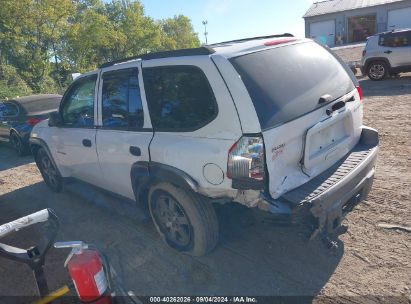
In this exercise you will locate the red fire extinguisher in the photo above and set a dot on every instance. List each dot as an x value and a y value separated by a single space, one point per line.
86 270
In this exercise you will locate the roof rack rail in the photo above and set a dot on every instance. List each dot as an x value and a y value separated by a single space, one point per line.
253 38
205 50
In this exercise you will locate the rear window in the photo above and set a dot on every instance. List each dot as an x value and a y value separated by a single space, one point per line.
287 82
42 105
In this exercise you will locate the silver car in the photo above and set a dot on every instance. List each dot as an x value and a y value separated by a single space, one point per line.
386 54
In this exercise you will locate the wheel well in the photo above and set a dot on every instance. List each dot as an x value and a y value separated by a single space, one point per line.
144 175
13 131
370 61
144 189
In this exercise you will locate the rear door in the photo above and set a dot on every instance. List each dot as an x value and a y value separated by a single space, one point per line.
124 132
396 48
292 87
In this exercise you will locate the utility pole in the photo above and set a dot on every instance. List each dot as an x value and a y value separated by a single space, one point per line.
205 22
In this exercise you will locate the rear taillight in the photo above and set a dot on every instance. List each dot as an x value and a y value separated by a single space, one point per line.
364 52
359 92
33 121
246 160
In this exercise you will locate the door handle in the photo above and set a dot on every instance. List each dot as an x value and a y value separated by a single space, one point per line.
135 151
388 52
87 143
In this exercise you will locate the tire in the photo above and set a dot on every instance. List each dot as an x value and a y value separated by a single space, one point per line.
377 70
50 174
17 144
185 220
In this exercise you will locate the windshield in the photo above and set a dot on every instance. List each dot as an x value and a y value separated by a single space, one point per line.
287 82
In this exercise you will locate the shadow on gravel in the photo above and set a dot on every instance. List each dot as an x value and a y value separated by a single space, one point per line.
254 257
387 87
8 158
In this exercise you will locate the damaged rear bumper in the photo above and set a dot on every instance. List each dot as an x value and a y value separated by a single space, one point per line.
328 197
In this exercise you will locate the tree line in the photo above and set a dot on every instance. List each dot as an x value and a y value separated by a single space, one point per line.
43 41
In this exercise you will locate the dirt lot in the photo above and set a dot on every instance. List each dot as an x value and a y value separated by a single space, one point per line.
350 52
254 256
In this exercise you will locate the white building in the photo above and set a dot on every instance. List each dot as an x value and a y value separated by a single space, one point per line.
336 22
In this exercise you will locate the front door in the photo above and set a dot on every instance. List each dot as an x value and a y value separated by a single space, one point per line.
75 141
124 132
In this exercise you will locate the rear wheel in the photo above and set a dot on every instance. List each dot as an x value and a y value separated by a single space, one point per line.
17 144
377 70
49 172
185 220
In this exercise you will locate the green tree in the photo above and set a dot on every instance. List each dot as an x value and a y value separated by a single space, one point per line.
44 41
178 33
11 84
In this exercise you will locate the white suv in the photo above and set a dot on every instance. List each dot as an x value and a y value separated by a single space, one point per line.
387 54
270 122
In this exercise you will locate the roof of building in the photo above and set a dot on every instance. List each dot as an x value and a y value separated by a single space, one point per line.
334 6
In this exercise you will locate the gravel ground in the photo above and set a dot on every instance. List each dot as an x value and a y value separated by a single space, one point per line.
254 256
350 53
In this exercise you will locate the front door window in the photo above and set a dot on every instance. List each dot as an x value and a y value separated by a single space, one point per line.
78 105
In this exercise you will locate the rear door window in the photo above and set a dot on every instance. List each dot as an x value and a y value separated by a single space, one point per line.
121 100
399 39
287 82
180 98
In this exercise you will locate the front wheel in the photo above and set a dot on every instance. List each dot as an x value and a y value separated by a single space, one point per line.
377 70
48 170
185 220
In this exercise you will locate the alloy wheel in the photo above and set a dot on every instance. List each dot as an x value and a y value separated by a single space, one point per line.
172 220
377 71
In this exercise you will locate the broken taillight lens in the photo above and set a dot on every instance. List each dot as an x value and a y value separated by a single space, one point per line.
246 159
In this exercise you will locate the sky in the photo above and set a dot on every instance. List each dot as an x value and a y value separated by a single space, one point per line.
234 19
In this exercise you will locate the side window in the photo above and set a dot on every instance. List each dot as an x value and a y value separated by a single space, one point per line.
78 105
8 109
121 100
179 98
395 39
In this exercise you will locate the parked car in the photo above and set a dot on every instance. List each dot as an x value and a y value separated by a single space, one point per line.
272 122
19 116
387 54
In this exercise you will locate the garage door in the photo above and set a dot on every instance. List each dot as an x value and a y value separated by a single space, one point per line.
399 18
324 32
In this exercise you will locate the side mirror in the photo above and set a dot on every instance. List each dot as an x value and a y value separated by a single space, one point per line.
55 119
